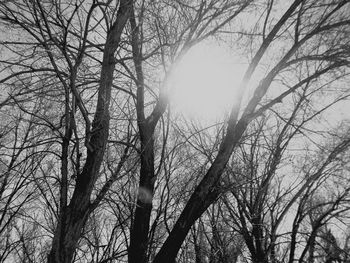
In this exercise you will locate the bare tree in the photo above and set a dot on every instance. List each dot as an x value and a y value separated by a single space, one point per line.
305 41
90 79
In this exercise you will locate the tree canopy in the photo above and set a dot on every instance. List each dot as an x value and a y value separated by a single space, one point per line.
97 166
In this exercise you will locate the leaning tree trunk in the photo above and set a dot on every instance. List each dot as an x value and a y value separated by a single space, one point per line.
208 191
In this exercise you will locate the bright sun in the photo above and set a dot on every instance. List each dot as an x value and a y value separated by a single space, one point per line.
204 82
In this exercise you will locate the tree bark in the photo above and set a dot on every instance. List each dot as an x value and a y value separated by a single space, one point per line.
70 229
140 227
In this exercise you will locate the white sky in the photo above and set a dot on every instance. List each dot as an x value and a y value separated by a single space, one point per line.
203 83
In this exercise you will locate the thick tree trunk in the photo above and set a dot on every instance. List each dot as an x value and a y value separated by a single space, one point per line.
139 236
260 257
204 195
68 233
140 228
70 226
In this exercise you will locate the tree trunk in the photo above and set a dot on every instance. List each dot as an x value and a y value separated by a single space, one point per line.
68 233
140 228
70 227
204 195
207 192
139 239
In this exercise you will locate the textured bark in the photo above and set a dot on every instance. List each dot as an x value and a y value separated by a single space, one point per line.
70 227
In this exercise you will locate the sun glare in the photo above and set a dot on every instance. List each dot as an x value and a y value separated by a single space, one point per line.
204 82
